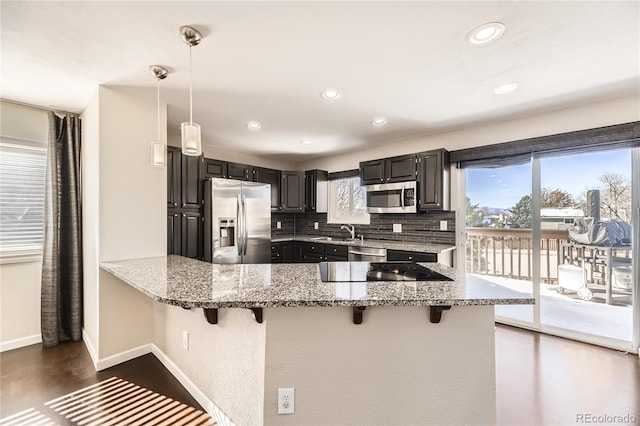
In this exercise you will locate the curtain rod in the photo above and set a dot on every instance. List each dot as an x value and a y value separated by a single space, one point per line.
59 111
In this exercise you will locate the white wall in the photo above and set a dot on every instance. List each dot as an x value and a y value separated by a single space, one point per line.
225 361
210 151
20 282
588 116
132 213
91 221
394 368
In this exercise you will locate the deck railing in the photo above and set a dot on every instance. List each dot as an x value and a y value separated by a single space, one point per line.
509 252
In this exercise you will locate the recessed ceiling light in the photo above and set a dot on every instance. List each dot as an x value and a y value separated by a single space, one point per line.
330 94
486 33
505 88
305 142
379 121
254 125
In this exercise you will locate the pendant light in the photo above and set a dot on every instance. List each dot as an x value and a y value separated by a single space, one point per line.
191 138
158 149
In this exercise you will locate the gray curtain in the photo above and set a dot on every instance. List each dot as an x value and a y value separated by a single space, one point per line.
61 304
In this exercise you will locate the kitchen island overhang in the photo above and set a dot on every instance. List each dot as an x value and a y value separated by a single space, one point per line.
394 368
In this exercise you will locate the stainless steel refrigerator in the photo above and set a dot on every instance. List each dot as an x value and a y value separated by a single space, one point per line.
237 221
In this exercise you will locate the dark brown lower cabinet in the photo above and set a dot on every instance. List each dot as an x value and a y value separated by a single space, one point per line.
286 252
317 252
174 233
191 229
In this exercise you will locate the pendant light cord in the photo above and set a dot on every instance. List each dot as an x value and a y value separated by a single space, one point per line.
190 88
158 93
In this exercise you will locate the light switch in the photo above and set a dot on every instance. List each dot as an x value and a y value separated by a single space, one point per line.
443 225
397 227
278 225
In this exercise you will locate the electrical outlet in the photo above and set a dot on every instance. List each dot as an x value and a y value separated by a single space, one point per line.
397 227
278 225
286 400
443 225
315 225
185 340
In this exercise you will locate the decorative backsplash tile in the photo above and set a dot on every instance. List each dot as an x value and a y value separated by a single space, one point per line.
416 227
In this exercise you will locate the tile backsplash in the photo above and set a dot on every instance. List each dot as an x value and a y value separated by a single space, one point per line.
416 227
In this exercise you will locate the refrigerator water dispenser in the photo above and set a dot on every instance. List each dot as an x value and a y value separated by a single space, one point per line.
227 231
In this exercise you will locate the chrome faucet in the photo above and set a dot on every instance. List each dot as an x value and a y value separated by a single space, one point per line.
351 229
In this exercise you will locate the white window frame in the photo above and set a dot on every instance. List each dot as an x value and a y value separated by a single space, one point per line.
24 252
358 216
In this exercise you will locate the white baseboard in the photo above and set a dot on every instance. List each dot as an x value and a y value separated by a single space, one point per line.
88 343
121 357
20 343
197 394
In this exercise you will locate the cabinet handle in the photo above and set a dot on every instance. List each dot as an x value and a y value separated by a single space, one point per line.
175 204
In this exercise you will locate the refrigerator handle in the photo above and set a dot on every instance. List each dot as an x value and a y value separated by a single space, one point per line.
245 232
239 224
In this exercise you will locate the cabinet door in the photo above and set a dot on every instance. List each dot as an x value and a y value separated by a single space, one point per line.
174 234
400 169
191 187
214 168
191 235
292 252
277 252
413 256
292 191
316 191
271 177
174 177
372 172
239 171
433 180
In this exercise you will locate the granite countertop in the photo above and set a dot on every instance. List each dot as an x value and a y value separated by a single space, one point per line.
390 245
189 283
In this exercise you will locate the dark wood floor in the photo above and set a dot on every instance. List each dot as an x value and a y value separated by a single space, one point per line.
34 375
541 380
548 380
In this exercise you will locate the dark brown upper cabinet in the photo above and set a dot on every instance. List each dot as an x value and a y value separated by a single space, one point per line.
386 170
174 178
315 191
239 171
190 186
271 177
434 180
292 192
214 168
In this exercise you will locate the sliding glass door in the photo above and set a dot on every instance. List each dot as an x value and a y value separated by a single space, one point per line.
559 227
499 234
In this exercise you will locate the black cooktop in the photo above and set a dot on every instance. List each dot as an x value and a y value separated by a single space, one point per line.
378 271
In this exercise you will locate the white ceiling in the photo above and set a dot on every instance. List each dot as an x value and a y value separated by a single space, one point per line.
269 61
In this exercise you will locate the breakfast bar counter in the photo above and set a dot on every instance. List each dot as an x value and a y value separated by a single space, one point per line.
189 283
354 352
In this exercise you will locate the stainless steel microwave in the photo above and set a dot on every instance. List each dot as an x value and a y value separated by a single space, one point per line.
399 197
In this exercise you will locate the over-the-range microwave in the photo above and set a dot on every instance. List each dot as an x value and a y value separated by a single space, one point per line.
399 197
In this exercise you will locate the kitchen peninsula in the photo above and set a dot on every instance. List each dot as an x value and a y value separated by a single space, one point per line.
419 352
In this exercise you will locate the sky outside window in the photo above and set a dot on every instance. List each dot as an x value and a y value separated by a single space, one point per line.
503 187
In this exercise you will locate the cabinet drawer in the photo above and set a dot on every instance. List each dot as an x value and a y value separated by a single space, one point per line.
336 250
312 247
413 256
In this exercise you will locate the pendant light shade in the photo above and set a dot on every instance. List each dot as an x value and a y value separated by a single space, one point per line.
191 140
190 131
158 149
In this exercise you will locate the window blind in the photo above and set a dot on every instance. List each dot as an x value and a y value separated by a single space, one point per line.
619 136
22 183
